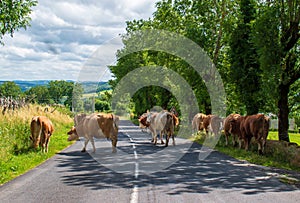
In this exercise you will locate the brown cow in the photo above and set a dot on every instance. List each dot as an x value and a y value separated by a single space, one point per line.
41 129
256 126
232 126
98 126
201 122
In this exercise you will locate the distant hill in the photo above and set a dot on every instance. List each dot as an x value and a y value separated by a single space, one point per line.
88 86
25 85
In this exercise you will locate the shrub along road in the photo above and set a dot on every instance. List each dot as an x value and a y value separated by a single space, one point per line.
137 173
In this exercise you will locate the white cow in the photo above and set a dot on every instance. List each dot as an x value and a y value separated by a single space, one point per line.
164 122
98 126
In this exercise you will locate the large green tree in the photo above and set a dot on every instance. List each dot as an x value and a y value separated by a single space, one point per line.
277 33
245 70
39 94
14 14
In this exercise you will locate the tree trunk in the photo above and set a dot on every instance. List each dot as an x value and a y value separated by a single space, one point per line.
283 116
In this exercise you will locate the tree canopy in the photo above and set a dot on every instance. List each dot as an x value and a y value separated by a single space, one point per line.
14 14
253 44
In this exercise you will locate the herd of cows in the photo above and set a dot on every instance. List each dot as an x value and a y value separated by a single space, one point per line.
100 125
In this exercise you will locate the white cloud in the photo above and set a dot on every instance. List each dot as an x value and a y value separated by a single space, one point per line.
64 34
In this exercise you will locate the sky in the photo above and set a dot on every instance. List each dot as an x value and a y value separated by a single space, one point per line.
64 35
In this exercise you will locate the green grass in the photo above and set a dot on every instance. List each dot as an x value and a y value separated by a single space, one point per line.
294 137
16 154
278 158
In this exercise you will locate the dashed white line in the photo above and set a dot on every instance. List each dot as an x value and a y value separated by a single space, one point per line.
135 193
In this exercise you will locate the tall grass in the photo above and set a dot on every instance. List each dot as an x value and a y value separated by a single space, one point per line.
16 153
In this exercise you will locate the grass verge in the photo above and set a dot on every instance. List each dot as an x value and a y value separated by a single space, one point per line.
16 153
276 155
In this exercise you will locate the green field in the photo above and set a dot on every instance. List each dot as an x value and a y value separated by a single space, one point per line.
16 153
294 137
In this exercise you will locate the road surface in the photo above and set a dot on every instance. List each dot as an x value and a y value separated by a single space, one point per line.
141 172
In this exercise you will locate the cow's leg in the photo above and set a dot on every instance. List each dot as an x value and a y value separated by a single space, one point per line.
247 142
161 137
154 135
47 143
114 145
167 140
173 137
85 143
260 146
240 143
226 137
234 141
93 144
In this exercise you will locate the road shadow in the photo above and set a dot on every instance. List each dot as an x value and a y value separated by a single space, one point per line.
187 175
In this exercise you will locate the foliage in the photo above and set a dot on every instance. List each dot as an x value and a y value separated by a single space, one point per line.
39 94
259 64
278 48
10 89
245 71
56 92
103 101
14 15
197 20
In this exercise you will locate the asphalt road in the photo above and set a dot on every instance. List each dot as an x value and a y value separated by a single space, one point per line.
141 172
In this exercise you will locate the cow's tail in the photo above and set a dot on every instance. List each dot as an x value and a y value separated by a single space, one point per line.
116 120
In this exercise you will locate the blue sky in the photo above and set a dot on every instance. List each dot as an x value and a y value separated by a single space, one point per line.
63 36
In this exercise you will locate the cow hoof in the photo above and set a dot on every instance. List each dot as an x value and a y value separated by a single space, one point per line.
83 150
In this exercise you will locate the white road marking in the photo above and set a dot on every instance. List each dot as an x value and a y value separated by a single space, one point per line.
135 193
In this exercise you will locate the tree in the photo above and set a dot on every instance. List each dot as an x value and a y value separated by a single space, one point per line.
39 94
59 89
204 22
14 15
279 48
245 70
10 89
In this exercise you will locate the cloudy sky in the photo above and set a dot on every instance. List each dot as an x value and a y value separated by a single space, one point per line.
64 35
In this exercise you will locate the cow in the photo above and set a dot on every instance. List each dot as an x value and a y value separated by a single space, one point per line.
78 118
216 124
232 127
164 122
98 126
256 126
201 122
41 130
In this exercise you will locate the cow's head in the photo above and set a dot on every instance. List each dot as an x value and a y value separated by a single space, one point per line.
73 134
143 122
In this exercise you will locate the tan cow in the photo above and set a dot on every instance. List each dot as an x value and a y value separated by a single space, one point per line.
78 118
164 122
232 127
201 122
98 126
256 126
215 125
41 129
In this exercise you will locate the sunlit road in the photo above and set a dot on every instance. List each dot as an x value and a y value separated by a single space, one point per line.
141 172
